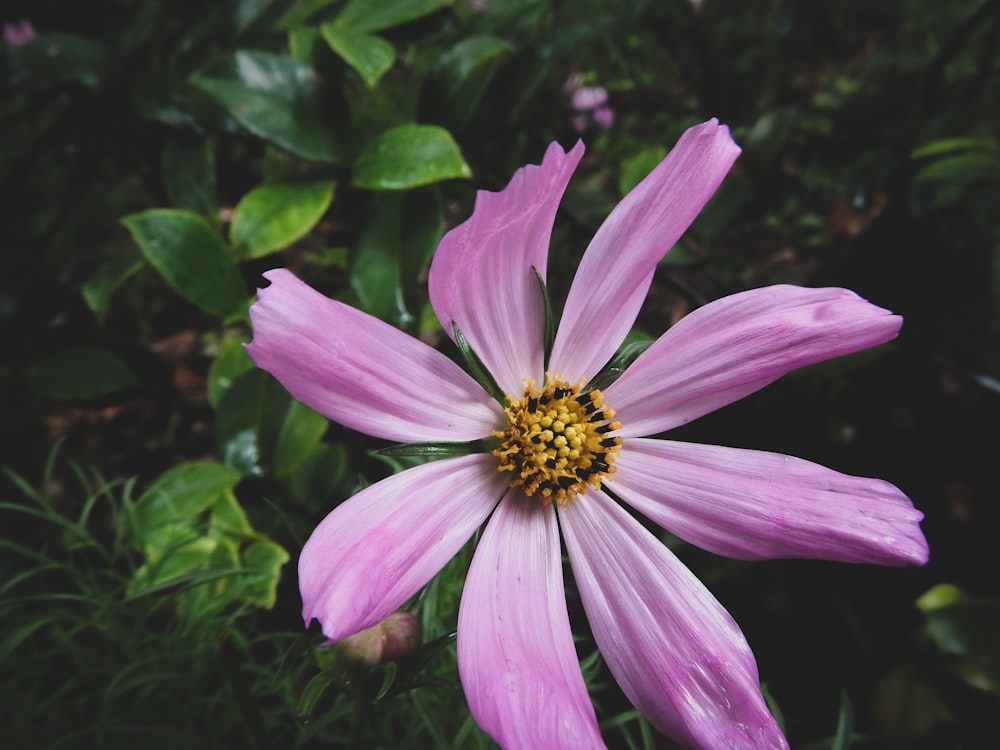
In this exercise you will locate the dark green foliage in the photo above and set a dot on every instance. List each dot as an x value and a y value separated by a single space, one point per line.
157 156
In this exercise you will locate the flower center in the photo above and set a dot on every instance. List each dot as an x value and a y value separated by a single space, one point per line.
556 441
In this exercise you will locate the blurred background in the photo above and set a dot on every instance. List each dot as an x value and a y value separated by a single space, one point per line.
157 156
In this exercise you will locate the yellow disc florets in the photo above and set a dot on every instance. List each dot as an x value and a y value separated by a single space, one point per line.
556 441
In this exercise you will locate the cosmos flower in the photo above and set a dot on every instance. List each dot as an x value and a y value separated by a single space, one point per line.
559 459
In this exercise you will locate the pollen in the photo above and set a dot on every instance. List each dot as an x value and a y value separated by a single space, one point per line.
557 441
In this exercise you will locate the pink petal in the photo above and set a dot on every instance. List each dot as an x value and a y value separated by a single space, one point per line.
754 505
481 277
376 550
604 116
589 97
736 345
616 270
361 372
516 657
675 651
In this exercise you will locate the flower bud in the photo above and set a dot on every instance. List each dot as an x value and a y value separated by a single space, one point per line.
393 639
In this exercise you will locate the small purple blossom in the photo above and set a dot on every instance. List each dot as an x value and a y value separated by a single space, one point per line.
565 460
19 33
589 104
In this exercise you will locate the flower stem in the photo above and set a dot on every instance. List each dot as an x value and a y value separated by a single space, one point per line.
359 719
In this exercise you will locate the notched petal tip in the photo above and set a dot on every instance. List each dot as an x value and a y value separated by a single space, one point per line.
345 364
617 269
378 548
481 279
757 505
738 344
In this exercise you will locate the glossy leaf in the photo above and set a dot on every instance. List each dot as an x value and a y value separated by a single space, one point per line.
477 369
229 518
408 156
400 234
191 257
948 145
371 56
276 98
230 362
463 73
315 479
80 373
275 215
181 493
365 15
189 174
845 725
299 435
434 450
247 12
191 525
969 627
51 58
264 559
262 430
374 263
966 167
98 289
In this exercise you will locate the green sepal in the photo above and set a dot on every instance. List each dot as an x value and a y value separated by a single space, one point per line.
438 450
477 369
550 319
618 364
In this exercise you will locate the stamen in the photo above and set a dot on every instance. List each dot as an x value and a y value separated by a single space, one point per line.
555 444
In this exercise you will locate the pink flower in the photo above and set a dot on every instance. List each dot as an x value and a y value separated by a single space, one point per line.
560 460
589 103
18 34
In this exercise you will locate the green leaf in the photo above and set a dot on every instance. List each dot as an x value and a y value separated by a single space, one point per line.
371 56
435 450
80 373
192 257
172 562
276 98
400 234
970 627
51 58
476 367
98 289
365 15
312 692
254 417
966 167
315 479
613 370
264 558
304 43
408 156
939 596
634 169
231 361
181 493
273 216
845 724
221 559
189 174
462 74
299 436
228 517
947 145
247 12
550 320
